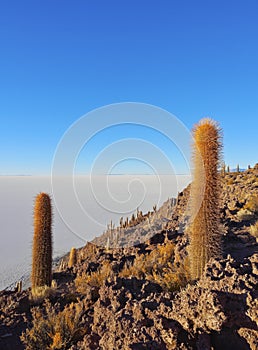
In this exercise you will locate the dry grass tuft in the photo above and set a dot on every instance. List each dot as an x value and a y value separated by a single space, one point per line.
245 214
94 279
157 267
145 263
38 294
53 329
173 278
230 181
254 230
252 204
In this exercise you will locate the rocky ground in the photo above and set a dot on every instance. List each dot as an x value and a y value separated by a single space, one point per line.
122 293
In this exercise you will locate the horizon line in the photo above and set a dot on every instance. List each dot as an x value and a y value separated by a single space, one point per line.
88 174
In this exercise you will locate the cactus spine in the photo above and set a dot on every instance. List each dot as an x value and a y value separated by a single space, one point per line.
41 274
205 238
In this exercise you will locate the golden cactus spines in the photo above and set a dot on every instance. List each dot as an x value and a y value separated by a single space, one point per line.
41 274
204 230
72 257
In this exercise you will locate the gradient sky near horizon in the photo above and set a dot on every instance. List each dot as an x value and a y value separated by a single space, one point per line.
61 59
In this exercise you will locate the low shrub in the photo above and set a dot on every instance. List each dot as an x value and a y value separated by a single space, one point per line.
172 277
157 267
53 329
93 279
252 204
38 294
230 181
145 263
245 214
254 230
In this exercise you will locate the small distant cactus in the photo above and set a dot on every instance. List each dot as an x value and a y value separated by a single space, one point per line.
121 222
72 257
107 244
41 274
139 215
205 237
223 169
18 287
112 226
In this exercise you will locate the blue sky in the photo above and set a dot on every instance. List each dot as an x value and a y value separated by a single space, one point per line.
60 59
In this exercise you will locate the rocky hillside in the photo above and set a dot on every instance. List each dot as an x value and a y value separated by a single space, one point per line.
128 289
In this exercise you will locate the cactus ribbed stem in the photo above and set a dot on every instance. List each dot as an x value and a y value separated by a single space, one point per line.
41 274
205 237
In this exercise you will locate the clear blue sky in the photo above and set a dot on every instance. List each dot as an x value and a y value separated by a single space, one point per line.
60 59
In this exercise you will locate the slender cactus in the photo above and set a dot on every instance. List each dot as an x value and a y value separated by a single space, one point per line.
205 238
41 274
223 169
107 244
72 257
18 287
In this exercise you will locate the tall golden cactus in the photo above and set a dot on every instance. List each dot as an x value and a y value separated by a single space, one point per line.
204 233
41 274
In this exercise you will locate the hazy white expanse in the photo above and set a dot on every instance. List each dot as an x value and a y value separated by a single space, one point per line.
85 206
